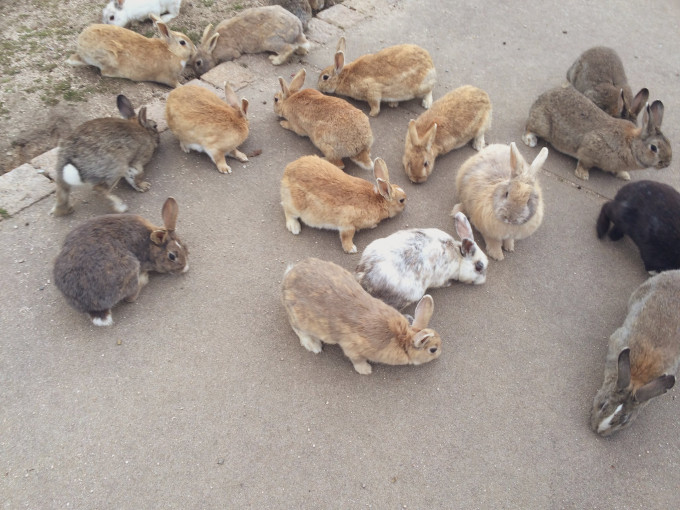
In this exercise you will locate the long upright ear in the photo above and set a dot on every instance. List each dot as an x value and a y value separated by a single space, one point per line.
298 81
141 116
244 106
413 132
639 102
463 227
429 137
230 96
423 312
623 374
158 237
380 170
657 387
169 214
421 339
206 34
538 161
284 88
620 103
384 188
656 115
125 107
339 62
341 45
212 42
163 29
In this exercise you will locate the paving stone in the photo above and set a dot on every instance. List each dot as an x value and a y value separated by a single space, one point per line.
22 187
341 16
321 32
369 7
46 163
232 72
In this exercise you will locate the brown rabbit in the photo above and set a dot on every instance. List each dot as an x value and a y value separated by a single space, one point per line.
462 115
598 74
337 128
122 53
394 74
575 126
325 304
205 123
323 196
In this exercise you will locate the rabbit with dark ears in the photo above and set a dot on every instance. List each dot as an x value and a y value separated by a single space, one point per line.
256 30
399 268
325 304
501 195
649 213
572 124
643 355
107 259
598 74
335 127
122 12
394 74
102 151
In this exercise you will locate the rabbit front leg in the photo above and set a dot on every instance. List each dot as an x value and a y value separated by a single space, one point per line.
346 237
360 363
292 127
374 102
494 248
135 178
219 158
509 244
142 280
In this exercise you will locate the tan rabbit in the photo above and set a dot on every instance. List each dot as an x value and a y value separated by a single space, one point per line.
325 304
122 53
501 195
205 123
323 196
256 30
572 124
462 115
598 74
337 128
394 74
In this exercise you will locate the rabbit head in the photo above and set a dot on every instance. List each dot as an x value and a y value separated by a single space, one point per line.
288 90
425 344
652 148
178 43
115 14
393 195
616 404
203 60
474 262
419 157
515 200
167 253
329 77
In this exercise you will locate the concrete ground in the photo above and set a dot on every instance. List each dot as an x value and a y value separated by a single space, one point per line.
200 395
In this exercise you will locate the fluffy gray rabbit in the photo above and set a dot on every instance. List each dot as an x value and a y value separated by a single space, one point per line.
598 74
643 355
107 258
399 268
101 151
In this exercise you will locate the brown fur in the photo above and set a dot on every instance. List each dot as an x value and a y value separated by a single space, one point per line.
462 115
198 117
122 53
394 74
335 127
323 196
325 303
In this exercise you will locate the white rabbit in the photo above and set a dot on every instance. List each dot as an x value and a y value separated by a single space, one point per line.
122 12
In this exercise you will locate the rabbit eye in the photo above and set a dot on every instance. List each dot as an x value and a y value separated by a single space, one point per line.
433 350
276 99
506 194
653 147
112 17
172 256
479 266
402 200
325 77
426 164
199 63
183 42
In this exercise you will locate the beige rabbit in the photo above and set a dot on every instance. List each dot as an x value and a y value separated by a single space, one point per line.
394 74
337 128
572 124
122 53
325 304
462 115
205 123
256 30
501 195
323 196
598 74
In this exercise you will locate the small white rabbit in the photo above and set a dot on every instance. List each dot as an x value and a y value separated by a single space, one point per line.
122 12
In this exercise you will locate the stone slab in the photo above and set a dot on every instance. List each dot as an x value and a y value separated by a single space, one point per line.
320 32
46 163
341 16
23 187
232 72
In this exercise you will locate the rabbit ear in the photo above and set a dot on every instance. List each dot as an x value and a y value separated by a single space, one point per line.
380 170
463 227
163 29
429 137
538 161
623 376
125 107
119 3
421 338
213 42
169 214
657 387
517 163
341 45
141 116
284 88
158 237
423 312
230 96
656 115
244 105
339 61
206 34
639 102
413 132
384 188
298 81
620 103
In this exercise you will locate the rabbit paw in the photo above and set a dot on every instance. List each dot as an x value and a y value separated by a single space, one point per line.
530 139
581 173
623 175
509 244
427 100
311 344
237 154
293 225
362 367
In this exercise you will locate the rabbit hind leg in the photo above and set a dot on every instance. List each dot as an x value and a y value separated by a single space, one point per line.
283 54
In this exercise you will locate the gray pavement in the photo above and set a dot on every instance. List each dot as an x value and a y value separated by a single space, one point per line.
200 395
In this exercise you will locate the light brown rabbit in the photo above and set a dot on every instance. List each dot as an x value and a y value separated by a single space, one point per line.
122 53
256 30
572 124
205 123
394 74
323 196
500 194
325 304
598 74
337 128
462 115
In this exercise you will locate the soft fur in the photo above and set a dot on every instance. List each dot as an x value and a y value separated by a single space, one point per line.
203 122
462 115
122 12
102 151
122 53
598 74
572 124
325 304
106 260
501 195
335 127
256 30
394 74
649 213
399 268
643 355
323 196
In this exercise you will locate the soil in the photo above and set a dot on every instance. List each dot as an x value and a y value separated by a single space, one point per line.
42 97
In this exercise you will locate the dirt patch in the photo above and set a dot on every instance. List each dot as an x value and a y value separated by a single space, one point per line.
42 97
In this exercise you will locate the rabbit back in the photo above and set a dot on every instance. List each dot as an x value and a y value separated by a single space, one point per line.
649 213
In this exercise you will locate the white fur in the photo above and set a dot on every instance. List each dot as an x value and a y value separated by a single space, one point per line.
606 423
71 175
137 10
107 321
